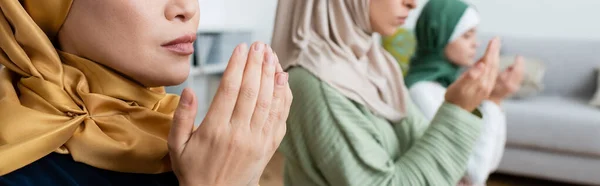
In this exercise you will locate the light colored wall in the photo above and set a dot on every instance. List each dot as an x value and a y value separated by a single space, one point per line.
572 19
575 19
254 15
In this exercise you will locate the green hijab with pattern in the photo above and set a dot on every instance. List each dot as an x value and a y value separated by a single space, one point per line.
440 22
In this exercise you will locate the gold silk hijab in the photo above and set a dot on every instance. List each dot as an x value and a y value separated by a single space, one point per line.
333 40
52 101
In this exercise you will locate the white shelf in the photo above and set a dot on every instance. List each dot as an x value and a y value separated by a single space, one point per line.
209 69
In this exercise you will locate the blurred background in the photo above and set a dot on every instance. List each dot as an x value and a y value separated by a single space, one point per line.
574 19
553 122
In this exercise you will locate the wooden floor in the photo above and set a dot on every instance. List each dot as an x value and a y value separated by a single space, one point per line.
506 180
273 177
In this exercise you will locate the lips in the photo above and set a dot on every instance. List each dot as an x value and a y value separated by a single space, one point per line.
401 19
183 45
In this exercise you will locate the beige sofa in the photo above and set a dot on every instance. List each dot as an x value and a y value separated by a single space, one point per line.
555 135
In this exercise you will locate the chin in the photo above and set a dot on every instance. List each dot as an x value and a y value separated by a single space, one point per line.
176 77
168 76
176 73
468 63
165 80
389 32
175 80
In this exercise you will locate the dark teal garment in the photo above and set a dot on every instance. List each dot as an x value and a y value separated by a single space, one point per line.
62 170
433 31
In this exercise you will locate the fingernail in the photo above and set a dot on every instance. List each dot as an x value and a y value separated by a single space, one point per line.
258 47
282 78
186 97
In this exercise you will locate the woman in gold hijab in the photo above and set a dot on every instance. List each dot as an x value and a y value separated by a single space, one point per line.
81 101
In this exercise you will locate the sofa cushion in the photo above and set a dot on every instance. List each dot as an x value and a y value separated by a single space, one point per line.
554 123
569 63
533 75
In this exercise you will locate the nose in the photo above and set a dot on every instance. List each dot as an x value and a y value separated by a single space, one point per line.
411 4
181 10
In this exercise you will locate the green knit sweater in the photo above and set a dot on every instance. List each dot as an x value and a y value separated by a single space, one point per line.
332 140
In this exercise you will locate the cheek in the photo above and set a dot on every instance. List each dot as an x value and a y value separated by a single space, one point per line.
138 49
130 28
455 53
469 50
468 54
384 25
125 35
121 35
112 28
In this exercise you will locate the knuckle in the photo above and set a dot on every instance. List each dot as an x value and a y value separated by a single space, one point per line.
248 93
211 136
274 116
268 72
213 140
262 105
267 129
229 89
238 142
236 121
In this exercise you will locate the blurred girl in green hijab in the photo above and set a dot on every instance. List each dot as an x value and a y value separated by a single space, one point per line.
446 41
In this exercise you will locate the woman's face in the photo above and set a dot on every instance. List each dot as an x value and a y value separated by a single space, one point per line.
148 41
462 50
387 15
